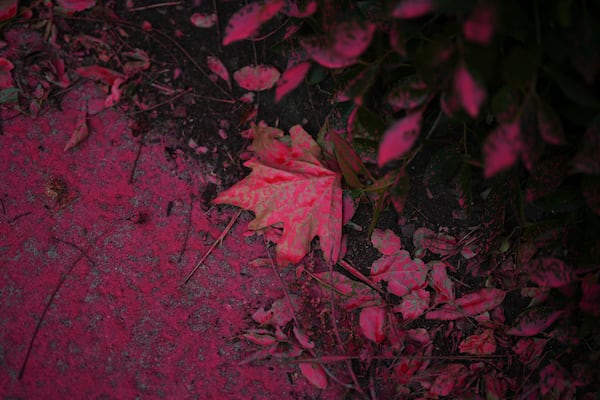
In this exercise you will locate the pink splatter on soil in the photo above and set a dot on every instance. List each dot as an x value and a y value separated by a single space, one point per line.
122 325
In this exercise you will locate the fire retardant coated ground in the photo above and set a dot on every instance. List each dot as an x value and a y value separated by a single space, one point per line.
116 227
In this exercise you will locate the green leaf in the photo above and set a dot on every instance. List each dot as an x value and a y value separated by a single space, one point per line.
520 66
317 74
368 124
9 95
360 83
549 124
573 88
350 163
505 104
408 93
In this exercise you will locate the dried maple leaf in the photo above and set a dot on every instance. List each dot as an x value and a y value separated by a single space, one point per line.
290 185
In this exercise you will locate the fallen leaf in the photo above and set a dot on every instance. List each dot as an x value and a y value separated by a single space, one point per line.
290 79
407 94
247 20
100 74
451 377
6 66
261 338
80 133
408 9
387 242
555 382
291 8
530 351
470 304
290 185
203 20
315 374
401 272
534 320
502 148
75 5
372 322
303 338
354 294
481 344
549 272
440 282
8 9
217 67
256 77
414 304
352 38
469 92
279 314
399 138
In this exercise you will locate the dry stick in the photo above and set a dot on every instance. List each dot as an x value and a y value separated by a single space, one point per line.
216 11
212 247
168 101
142 8
187 230
135 161
50 300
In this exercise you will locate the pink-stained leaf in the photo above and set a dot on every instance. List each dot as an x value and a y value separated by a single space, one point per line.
408 9
469 305
315 374
289 184
303 338
530 350
534 320
353 294
291 9
479 27
406 368
420 238
217 67
75 5
80 133
440 282
399 138
372 322
203 20
100 74
481 344
549 272
8 9
502 148
590 299
469 92
555 382
387 242
452 376
279 314
135 61
248 20
256 77
414 304
401 272
261 337
352 38
115 93
409 93
6 66
321 52
290 79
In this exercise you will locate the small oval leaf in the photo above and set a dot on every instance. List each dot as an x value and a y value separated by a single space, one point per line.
315 374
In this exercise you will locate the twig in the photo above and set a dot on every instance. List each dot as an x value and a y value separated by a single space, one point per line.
168 101
135 161
212 247
218 26
187 230
167 4
16 217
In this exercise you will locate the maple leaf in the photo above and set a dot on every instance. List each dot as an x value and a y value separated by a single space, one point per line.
290 185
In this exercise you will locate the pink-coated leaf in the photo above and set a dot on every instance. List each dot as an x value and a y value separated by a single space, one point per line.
372 322
534 320
246 21
502 148
530 350
352 38
203 20
408 9
315 374
470 304
401 272
451 377
135 61
409 93
6 79
256 77
321 52
8 9
354 294
75 5
80 133
470 93
440 282
481 344
550 125
279 314
399 138
261 338
290 79
387 242
414 304
479 27
549 272
555 382
101 74
291 9
303 338
217 67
